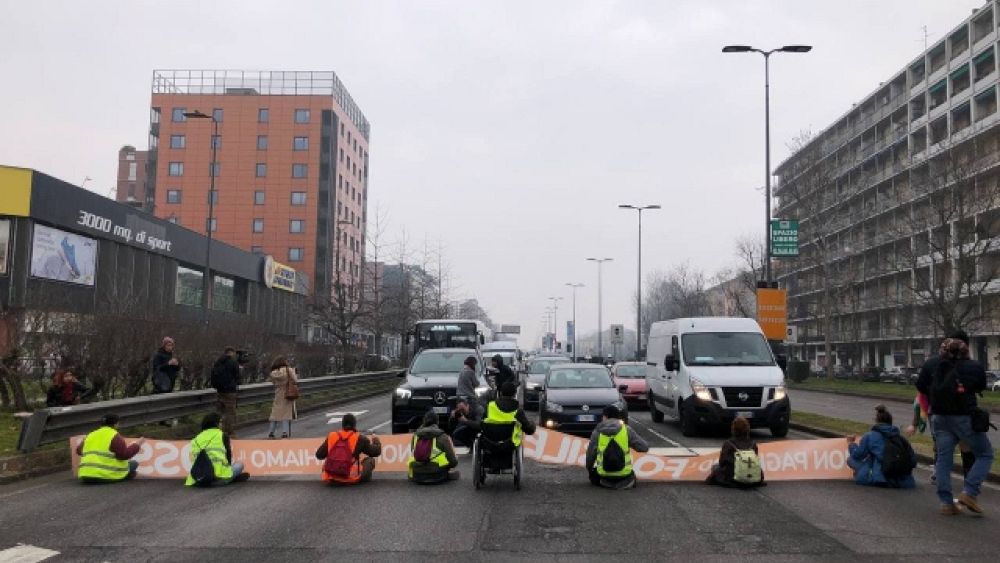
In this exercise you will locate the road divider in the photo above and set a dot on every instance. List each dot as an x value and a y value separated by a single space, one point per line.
787 460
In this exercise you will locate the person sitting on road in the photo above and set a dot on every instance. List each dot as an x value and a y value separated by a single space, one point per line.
458 427
104 455
609 454
343 451
217 447
506 410
883 458
739 461
432 454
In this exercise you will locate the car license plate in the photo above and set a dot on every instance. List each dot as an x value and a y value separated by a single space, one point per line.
586 418
745 414
441 410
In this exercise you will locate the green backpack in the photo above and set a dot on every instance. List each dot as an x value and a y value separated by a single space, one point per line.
746 467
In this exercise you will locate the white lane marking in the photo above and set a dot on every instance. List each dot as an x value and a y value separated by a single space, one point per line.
377 426
21 553
658 435
335 417
461 450
25 490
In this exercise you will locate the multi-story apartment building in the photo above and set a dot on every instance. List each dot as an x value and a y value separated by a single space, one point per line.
131 186
897 202
291 166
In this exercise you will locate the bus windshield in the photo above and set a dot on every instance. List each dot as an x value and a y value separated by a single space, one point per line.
446 335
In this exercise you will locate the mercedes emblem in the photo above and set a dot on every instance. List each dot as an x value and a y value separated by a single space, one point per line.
744 396
585 408
440 397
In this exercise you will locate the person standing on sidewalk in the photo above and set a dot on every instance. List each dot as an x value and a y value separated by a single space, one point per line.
951 386
165 367
283 407
226 381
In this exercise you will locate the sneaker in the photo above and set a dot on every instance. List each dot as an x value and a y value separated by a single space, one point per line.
933 479
270 436
950 510
970 503
241 478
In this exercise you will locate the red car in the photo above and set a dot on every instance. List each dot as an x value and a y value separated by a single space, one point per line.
632 374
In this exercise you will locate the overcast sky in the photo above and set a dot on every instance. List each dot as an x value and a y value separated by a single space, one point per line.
508 131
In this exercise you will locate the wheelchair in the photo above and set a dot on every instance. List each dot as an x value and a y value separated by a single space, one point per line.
494 453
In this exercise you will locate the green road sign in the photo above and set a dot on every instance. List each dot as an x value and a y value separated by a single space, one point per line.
784 238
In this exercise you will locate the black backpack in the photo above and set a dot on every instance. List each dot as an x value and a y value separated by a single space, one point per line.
202 470
614 458
944 396
897 459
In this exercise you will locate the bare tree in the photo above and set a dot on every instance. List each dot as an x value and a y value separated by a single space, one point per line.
678 292
377 322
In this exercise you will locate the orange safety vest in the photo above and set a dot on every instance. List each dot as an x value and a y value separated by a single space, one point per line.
352 442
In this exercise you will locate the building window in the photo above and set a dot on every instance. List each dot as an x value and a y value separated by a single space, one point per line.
229 295
213 197
262 142
133 170
297 226
342 154
257 249
263 115
217 115
298 198
258 197
300 143
258 225
341 129
189 282
177 141
175 169
215 169
340 180
211 225
301 116
261 170
173 196
300 170
296 254
216 141
177 115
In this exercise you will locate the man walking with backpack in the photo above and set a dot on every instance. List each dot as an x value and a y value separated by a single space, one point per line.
342 453
609 454
951 385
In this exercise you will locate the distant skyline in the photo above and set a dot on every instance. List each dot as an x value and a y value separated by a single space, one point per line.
508 132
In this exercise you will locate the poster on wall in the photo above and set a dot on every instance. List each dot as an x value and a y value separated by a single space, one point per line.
62 256
4 245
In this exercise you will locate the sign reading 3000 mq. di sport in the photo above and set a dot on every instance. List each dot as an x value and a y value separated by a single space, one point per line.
784 238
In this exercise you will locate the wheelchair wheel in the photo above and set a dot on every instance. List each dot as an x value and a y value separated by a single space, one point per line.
518 466
477 465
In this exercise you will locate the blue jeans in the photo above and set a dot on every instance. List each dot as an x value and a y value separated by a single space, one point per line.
284 425
237 469
948 431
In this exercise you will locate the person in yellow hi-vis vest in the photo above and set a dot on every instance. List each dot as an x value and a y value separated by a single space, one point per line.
609 455
104 455
219 469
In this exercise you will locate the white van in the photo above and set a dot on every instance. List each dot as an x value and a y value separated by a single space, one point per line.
706 371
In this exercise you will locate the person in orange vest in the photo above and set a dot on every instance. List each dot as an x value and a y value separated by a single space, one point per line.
342 453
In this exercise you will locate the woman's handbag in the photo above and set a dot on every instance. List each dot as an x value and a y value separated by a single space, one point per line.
292 387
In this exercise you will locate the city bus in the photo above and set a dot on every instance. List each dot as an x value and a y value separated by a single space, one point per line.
448 333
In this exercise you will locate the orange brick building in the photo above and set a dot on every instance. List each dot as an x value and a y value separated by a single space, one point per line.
291 166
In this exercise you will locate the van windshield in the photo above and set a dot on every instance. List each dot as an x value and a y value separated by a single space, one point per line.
726 349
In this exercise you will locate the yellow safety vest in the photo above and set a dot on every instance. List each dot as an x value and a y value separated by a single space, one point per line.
621 438
98 461
437 456
496 416
211 441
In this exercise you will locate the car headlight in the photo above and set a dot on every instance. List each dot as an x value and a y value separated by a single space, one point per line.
779 392
553 407
534 386
700 390
403 394
482 391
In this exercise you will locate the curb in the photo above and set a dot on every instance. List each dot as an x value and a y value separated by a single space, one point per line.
925 459
992 409
45 462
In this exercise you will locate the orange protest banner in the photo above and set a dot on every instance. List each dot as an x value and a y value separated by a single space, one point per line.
772 312
787 460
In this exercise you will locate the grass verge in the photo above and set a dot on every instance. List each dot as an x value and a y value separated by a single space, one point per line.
877 390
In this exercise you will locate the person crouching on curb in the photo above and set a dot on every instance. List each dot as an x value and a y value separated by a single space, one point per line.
104 455
342 451
432 454
216 465
609 456
739 461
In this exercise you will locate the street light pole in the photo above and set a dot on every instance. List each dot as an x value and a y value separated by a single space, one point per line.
767 137
600 320
555 319
206 299
638 278
575 286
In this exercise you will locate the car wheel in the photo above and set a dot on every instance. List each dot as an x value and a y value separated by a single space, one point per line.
653 412
779 430
688 427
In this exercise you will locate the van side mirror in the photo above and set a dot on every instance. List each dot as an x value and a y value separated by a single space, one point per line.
402 373
670 362
623 388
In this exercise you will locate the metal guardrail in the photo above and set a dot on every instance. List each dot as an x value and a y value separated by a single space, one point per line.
49 425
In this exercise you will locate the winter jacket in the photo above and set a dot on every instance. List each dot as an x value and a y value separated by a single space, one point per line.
364 446
611 427
163 371
431 471
723 473
282 408
226 375
507 404
503 375
467 383
866 459
970 373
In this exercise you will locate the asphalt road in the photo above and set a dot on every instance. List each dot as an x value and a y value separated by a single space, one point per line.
557 516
